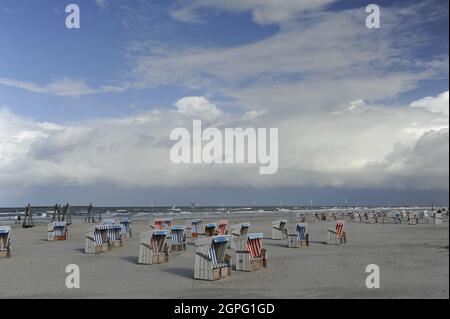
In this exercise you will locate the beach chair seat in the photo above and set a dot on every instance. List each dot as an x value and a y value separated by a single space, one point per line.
250 256
279 230
211 260
337 235
57 231
177 238
154 247
5 242
96 242
298 235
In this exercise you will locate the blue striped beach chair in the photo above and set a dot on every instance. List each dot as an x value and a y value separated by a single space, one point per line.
211 260
154 248
57 231
279 230
97 241
126 228
298 235
250 255
193 228
5 241
177 238
115 235
167 223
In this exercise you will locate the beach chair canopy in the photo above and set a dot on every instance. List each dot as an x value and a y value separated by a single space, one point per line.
279 224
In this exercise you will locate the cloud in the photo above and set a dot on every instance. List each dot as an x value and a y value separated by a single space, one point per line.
101 3
372 146
62 87
263 11
197 107
434 104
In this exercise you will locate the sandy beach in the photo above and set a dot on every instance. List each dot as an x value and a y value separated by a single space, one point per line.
413 261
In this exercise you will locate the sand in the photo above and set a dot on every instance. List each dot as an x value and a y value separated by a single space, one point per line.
413 261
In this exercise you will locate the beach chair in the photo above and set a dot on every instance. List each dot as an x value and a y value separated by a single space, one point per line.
222 227
438 218
211 260
250 255
357 217
57 231
115 235
279 230
167 223
298 235
236 231
158 224
412 219
372 218
193 228
177 238
337 235
5 242
154 248
300 218
97 241
210 229
126 231
323 216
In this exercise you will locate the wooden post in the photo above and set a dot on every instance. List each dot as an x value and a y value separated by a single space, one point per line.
66 214
90 218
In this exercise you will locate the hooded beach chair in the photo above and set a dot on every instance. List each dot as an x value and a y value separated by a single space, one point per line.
115 235
57 231
177 238
193 228
438 218
357 217
373 218
279 230
211 260
250 255
222 227
210 229
412 219
126 228
5 241
154 248
298 235
97 241
238 230
167 223
158 224
337 235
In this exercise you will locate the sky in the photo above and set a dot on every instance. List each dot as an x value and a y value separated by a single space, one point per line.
86 114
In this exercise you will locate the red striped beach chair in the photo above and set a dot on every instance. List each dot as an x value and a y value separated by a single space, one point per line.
298 235
250 256
97 241
211 260
279 230
337 235
222 227
154 248
5 241
57 231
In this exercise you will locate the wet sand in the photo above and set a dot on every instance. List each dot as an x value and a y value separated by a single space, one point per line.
413 261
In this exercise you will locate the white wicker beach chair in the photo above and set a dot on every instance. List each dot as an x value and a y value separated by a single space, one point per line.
211 260
250 255
154 248
57 231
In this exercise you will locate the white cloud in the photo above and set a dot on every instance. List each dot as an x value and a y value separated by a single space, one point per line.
197 107
61 87
101 3
434 104
371 147
263 11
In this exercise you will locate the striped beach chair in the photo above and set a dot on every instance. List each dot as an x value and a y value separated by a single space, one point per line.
5 241
193 228
97 241
298 235
250 255
412 219
154 248
115 235
177 238
279 230
238 230
158 224
57 231
211 260
337 235
222 227
126 231
167 223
